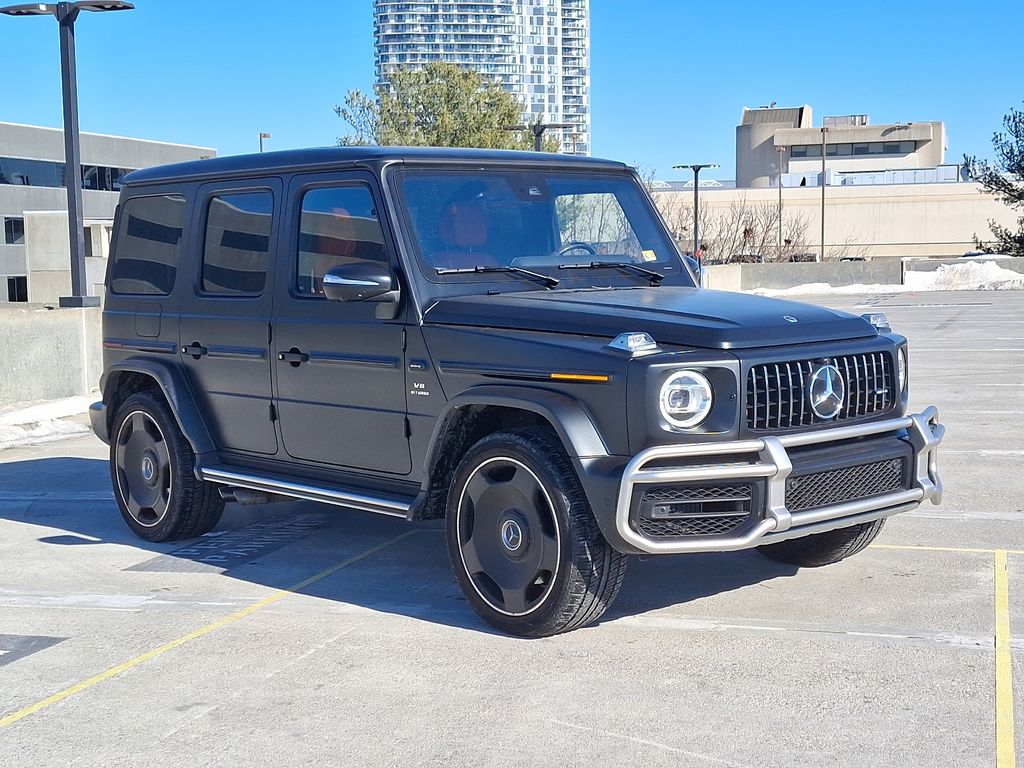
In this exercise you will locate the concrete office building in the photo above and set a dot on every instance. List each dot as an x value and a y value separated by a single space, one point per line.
888 191
539 50
34 250
770 141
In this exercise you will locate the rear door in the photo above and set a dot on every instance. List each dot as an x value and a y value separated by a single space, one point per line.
339 369
224 331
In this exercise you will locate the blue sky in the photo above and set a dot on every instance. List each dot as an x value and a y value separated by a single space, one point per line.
669 77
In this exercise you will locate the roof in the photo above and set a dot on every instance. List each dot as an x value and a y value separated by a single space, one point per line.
50 129
327 157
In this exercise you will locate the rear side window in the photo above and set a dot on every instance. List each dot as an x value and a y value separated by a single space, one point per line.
338 226
145 258
237 243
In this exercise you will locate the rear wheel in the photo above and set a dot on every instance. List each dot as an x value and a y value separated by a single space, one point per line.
823 548
522 539
152 469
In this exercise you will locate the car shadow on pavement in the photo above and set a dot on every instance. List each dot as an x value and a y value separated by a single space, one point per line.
281 545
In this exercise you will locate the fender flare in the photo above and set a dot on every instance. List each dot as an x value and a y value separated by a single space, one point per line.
568 417
172 384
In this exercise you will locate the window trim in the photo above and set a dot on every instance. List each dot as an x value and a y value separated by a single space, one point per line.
207 197
296 221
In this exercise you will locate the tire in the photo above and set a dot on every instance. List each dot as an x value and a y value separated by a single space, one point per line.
152 470
823 548
523 542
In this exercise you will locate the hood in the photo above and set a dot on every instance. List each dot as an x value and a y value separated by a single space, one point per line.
671 314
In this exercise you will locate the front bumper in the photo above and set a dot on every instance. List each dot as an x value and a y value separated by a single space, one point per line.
98 419
721 462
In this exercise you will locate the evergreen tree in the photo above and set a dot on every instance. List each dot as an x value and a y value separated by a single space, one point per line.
1004 178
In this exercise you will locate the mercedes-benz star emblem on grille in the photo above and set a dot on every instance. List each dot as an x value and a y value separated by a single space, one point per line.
790 319
826 391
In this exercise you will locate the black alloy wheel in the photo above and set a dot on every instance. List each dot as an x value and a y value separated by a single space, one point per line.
522 539
508 540
152 469
142 465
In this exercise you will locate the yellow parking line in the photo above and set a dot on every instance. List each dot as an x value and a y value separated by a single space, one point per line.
1006 756
974 550
205 630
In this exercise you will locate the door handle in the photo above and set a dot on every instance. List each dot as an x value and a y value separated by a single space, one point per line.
195 349
294 356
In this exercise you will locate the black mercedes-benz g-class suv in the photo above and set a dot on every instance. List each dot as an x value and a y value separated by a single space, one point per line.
509 341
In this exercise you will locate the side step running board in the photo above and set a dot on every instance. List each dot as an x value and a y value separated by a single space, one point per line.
395 506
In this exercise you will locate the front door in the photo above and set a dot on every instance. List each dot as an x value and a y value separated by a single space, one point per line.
339 370
224 330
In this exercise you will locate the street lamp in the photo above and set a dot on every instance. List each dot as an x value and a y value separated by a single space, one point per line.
537 129
782 154
697 168
66 13
824 147
262 137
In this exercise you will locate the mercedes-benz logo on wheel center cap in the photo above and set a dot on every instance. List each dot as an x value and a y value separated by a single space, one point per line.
511 535
827 391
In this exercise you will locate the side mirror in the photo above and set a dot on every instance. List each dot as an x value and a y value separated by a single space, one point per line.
357 282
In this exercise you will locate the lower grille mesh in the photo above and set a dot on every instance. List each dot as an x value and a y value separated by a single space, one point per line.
836 486
691 526
694 510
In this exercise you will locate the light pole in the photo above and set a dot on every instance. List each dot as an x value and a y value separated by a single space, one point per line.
782 153
66 13
262 137
697 168
824 147
537 129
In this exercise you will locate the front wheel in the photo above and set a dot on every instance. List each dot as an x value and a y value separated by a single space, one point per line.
522 539
823 548
152 469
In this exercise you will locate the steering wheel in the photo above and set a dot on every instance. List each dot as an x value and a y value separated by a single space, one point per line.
576 245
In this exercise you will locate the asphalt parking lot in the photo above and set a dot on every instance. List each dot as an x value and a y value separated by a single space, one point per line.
305 635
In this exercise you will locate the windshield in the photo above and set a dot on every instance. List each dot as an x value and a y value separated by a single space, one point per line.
545 221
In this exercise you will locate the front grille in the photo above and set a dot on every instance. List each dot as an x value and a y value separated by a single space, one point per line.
777 397
670 511
836 486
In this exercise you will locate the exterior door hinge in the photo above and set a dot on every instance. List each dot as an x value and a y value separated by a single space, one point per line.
270 333
273 412
408 428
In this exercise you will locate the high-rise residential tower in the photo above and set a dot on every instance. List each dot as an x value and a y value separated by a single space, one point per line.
539 50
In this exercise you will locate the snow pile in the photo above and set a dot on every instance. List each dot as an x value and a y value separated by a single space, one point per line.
42 422
811 289
969 276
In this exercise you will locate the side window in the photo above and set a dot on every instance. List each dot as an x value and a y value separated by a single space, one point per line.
237 243
337 226
145 253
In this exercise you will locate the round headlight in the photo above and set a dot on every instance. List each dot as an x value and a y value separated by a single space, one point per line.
686 399
903 368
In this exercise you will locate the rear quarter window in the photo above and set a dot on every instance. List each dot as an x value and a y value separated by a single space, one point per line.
146 245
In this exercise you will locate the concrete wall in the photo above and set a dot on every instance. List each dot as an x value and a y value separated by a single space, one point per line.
891 220
745 277
49 354
48 256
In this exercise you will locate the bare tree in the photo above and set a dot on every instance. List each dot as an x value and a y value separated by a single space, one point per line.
742 231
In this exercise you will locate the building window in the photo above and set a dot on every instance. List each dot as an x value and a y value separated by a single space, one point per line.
145 249
863 148
48 173
338 226
17 288
237 244
14 231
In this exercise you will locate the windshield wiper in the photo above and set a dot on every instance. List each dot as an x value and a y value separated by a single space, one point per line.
548 281
636 269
